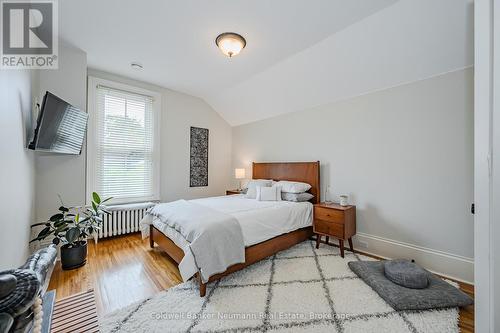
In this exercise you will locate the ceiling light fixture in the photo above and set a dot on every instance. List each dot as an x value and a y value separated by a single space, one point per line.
136 66
230 43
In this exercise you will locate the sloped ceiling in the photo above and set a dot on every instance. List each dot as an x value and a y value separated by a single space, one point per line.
299 54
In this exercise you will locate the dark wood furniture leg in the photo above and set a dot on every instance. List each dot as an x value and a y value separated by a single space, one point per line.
151 238
203 286
327 239
318 239
350 244
341 245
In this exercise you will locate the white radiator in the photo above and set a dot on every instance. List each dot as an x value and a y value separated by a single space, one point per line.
123 219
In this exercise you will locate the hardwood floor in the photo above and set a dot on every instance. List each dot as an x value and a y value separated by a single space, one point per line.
121 270
466 323
124 270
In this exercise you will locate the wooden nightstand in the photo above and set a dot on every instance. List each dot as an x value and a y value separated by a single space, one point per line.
231 192
331 219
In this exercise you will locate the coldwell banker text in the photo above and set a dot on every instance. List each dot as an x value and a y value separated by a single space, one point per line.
29 34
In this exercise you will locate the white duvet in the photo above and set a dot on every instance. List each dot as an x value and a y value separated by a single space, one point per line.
259 221
262 220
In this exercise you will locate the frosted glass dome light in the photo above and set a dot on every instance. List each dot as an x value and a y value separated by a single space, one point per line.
230 43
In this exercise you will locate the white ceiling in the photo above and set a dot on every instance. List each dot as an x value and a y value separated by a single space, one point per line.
299 54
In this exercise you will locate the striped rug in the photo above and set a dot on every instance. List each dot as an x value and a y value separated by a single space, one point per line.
76 313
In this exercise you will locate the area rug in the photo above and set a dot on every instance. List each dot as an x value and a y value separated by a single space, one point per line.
302 289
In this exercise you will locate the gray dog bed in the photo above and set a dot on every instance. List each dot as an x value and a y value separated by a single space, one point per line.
438 294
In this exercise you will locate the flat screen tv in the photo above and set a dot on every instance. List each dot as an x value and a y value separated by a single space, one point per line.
60 127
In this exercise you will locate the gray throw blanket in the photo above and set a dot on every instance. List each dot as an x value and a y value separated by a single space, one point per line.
215 238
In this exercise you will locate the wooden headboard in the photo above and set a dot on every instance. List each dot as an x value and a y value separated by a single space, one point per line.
307 172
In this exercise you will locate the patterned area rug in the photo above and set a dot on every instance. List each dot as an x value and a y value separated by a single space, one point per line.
298 290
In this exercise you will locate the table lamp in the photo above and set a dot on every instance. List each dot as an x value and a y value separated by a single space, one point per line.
239 174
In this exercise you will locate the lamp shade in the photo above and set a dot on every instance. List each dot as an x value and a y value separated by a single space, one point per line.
239 173
230 43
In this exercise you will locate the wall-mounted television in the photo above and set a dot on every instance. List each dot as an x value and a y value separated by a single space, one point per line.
60 127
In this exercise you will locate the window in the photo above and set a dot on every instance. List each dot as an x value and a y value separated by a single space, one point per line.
123 155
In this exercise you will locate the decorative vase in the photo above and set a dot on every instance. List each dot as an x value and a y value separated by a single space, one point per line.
343 200
74 256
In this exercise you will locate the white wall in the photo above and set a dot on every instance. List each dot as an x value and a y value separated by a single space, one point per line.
179 112
16 168
56 173
405 157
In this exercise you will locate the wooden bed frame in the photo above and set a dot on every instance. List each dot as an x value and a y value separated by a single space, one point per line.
307 172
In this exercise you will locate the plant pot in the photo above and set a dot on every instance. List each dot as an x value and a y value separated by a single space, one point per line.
74 256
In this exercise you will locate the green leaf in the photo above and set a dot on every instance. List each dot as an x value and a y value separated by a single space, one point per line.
107 199
37 238
85 220
96 198
41 223
61 229
94 206
59 223
72 235
43 234
77 218
56 217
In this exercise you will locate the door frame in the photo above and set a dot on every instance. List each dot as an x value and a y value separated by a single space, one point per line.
486 180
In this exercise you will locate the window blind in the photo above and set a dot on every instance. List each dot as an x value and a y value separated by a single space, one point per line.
124 147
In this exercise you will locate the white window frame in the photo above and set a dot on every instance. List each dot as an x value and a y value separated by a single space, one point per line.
92 84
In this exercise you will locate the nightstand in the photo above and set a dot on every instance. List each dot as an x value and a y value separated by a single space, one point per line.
334 220
231 192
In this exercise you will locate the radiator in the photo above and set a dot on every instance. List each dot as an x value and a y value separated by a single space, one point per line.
123 219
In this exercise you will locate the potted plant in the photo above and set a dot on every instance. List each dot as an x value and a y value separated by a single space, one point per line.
71 227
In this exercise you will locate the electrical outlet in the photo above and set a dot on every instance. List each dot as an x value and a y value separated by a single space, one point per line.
363 245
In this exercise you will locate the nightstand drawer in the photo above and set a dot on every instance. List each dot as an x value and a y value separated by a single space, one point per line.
329 228
327 214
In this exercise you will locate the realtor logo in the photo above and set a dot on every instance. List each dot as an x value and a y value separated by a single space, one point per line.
29 34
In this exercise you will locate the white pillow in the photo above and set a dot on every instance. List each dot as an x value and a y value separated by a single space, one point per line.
259 182
268 193
253 184
293 187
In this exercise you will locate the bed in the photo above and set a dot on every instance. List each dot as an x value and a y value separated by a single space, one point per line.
268 227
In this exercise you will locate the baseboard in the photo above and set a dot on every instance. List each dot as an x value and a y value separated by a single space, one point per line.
446 264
